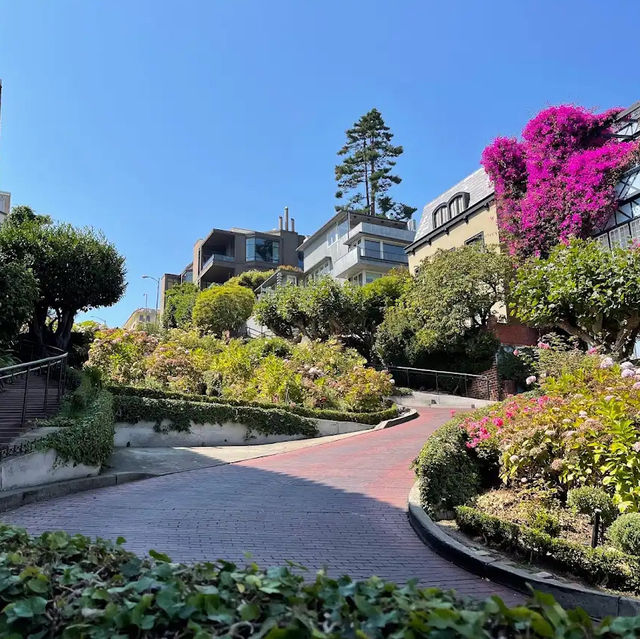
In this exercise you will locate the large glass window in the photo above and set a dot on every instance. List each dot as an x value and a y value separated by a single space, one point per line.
440 216
260 249
371 277
336 232
372 249
394 252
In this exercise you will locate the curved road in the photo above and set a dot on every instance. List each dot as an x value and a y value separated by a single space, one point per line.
340 505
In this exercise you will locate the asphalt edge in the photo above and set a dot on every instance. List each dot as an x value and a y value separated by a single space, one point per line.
11 499
490 565
407 416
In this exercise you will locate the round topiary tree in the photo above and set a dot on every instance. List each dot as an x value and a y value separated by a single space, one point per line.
624 533
223 308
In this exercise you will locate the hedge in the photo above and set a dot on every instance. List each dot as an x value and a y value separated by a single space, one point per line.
85 439
69 587
597 566
132 409
318 413
448 475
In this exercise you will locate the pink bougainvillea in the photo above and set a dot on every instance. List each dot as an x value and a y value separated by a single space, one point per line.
559 181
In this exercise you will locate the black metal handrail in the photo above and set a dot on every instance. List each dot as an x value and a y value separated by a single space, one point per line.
439 377
52 365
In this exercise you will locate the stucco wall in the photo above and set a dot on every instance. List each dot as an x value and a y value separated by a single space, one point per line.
143 434
38 468
482 222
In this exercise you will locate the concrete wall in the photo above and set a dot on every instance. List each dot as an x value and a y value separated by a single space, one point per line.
38 468
144 435
485 221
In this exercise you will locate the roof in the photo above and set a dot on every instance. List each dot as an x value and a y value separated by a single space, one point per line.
477 185
363 217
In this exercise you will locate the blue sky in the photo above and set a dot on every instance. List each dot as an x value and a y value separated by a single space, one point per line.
158 120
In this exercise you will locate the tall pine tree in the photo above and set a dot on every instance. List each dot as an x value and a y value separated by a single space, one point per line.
369 159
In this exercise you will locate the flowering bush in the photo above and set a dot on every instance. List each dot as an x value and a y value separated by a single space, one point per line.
121 354
314 374
582 431
559 181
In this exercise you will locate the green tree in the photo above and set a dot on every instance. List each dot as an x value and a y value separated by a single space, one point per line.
447 308
251 279
369 158
18 295
179 301
76 269
223 308
326 308
586 290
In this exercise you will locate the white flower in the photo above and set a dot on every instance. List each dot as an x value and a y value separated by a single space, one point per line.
608 398
607 362
636 447
626 365
549 433
628 372
636 386
583 413
566 421
513 459
530 380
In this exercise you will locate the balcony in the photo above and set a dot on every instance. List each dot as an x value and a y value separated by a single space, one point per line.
358 257
380 231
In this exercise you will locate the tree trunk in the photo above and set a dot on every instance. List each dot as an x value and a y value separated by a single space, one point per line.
626 337
366 174
62 336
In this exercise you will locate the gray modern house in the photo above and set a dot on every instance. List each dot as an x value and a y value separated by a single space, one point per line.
225 253
356 247
5 205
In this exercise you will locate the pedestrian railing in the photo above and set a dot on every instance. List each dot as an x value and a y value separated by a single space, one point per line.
449 382
31 385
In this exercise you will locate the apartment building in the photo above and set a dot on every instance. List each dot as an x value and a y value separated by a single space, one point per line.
356 247
139 318
223 254
5 205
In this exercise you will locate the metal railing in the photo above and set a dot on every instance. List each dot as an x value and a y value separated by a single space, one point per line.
449 382
52 368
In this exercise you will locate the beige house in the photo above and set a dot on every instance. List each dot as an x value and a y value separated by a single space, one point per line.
464 214
140 318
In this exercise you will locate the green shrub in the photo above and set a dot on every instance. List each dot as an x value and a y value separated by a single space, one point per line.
86 439
222 308
180 414
596 566
586 499
389 412
544 520
448 475
624 533
62 587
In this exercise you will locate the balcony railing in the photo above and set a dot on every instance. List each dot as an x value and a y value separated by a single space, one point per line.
372 254
217 257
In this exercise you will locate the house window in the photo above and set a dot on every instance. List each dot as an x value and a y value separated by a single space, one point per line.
440 216
394 252
476 240
356 279
457 204
371 277
372 249
336 232
260 249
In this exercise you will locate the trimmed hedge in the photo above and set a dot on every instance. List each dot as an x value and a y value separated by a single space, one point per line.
448 475
86 439
133 409
317 413
596 566
68 587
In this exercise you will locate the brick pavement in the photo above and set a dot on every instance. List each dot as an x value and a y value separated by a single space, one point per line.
341 505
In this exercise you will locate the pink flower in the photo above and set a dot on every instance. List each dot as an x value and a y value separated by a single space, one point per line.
628 372
498 422
636 386
592 351
530 380
516 352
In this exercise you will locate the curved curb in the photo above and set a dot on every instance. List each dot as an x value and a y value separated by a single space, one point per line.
495 567
11 499
395 421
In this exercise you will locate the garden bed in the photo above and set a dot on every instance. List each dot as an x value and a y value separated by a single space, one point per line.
153 422
57 583
537 475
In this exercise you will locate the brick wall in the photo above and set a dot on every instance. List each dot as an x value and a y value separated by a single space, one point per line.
479 390
514 333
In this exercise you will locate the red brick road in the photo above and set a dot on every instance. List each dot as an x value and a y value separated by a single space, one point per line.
341 505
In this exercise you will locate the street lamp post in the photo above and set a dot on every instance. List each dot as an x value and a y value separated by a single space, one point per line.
157 281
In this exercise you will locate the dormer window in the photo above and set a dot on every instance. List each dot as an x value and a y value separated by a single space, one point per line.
440 216
458 203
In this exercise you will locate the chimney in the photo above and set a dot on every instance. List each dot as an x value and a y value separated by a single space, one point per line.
280 222
286 218
293 225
